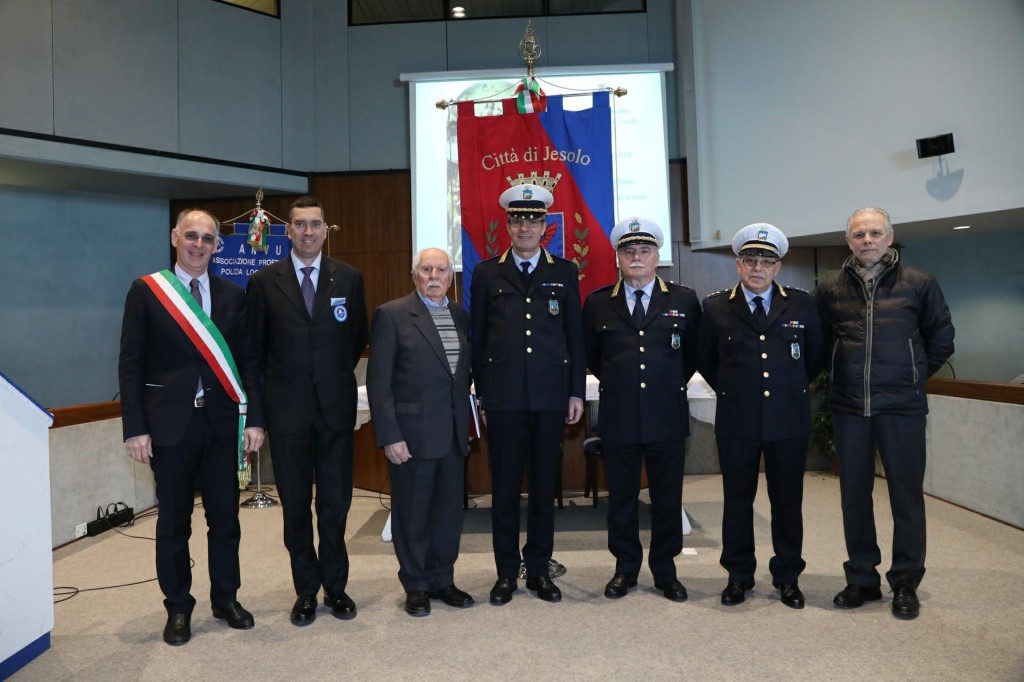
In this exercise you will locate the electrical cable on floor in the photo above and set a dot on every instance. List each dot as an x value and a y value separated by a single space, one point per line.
63 593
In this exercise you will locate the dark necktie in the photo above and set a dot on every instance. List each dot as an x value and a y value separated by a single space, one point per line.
525 265
197 294
759 314
307 288
638 308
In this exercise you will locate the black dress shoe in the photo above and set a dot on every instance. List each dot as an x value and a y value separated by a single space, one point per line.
904 601
453 596
545 588
236 616
672 589
734 592
417 604
341 606
502 591
853 596
791 595
177 631
619 585
304 611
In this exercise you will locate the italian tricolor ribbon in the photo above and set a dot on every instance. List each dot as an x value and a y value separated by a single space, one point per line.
208 340
530 99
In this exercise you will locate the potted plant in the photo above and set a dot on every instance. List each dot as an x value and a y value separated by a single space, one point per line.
821 420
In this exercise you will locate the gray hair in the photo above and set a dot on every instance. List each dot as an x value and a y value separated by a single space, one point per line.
869 209
419 256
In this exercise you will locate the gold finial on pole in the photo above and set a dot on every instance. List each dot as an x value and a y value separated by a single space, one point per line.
529 48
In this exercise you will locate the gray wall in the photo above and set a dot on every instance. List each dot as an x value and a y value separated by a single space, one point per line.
982 277
65 266
806 110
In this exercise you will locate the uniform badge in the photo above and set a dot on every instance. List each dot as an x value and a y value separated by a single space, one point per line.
675 341
794 350
339 309
553 307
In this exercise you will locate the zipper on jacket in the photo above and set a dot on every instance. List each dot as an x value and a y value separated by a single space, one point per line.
869 335
913 360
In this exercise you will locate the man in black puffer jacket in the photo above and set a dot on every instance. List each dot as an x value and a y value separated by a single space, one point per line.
889 329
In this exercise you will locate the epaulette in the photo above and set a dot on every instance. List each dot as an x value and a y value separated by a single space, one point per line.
661 285
716 293
796 289
547 256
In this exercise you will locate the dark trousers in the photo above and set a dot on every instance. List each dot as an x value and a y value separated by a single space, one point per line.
298 458
664 463
516 440
211 461
784 462
900 441
426 519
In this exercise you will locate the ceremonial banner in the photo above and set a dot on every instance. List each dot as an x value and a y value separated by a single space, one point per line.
236 260
567 152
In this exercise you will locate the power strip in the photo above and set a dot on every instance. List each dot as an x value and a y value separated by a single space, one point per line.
118 518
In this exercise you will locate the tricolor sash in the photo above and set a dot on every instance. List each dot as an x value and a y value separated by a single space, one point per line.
208 340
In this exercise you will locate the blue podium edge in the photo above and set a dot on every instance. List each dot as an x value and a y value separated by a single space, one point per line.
22 658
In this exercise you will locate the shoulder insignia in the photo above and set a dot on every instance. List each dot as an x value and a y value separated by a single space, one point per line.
503 256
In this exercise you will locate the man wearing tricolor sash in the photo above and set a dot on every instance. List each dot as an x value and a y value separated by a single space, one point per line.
191 409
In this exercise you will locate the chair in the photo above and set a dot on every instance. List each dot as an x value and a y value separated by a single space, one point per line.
592 450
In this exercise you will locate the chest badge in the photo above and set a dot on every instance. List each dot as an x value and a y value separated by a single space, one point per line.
339 309
553 307
675 341
794 350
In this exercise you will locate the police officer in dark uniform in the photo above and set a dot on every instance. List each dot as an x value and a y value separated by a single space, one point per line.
761 345
642 345
528 367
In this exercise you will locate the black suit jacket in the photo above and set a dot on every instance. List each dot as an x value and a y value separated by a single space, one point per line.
643 371
527 344
413 394
761 374
306 359
159 367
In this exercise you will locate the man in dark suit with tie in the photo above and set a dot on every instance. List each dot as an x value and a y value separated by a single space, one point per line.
180 419
309 324
528 355
418 385
761 345
642 345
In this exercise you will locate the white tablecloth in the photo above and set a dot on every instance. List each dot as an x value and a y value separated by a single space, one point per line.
700 395
698 392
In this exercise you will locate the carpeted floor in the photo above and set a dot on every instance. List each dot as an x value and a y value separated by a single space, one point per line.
971 625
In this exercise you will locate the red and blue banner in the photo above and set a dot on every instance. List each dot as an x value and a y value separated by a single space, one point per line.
236 259
568 153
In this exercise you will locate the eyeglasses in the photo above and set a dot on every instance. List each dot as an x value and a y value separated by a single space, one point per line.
752 262
526 220
205 237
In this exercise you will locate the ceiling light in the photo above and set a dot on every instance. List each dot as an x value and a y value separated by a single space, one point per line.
962 227
459 12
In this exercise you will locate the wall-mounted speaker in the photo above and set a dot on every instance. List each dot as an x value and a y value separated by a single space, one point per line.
935 146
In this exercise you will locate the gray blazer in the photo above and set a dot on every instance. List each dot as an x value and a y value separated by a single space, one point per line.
413 394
